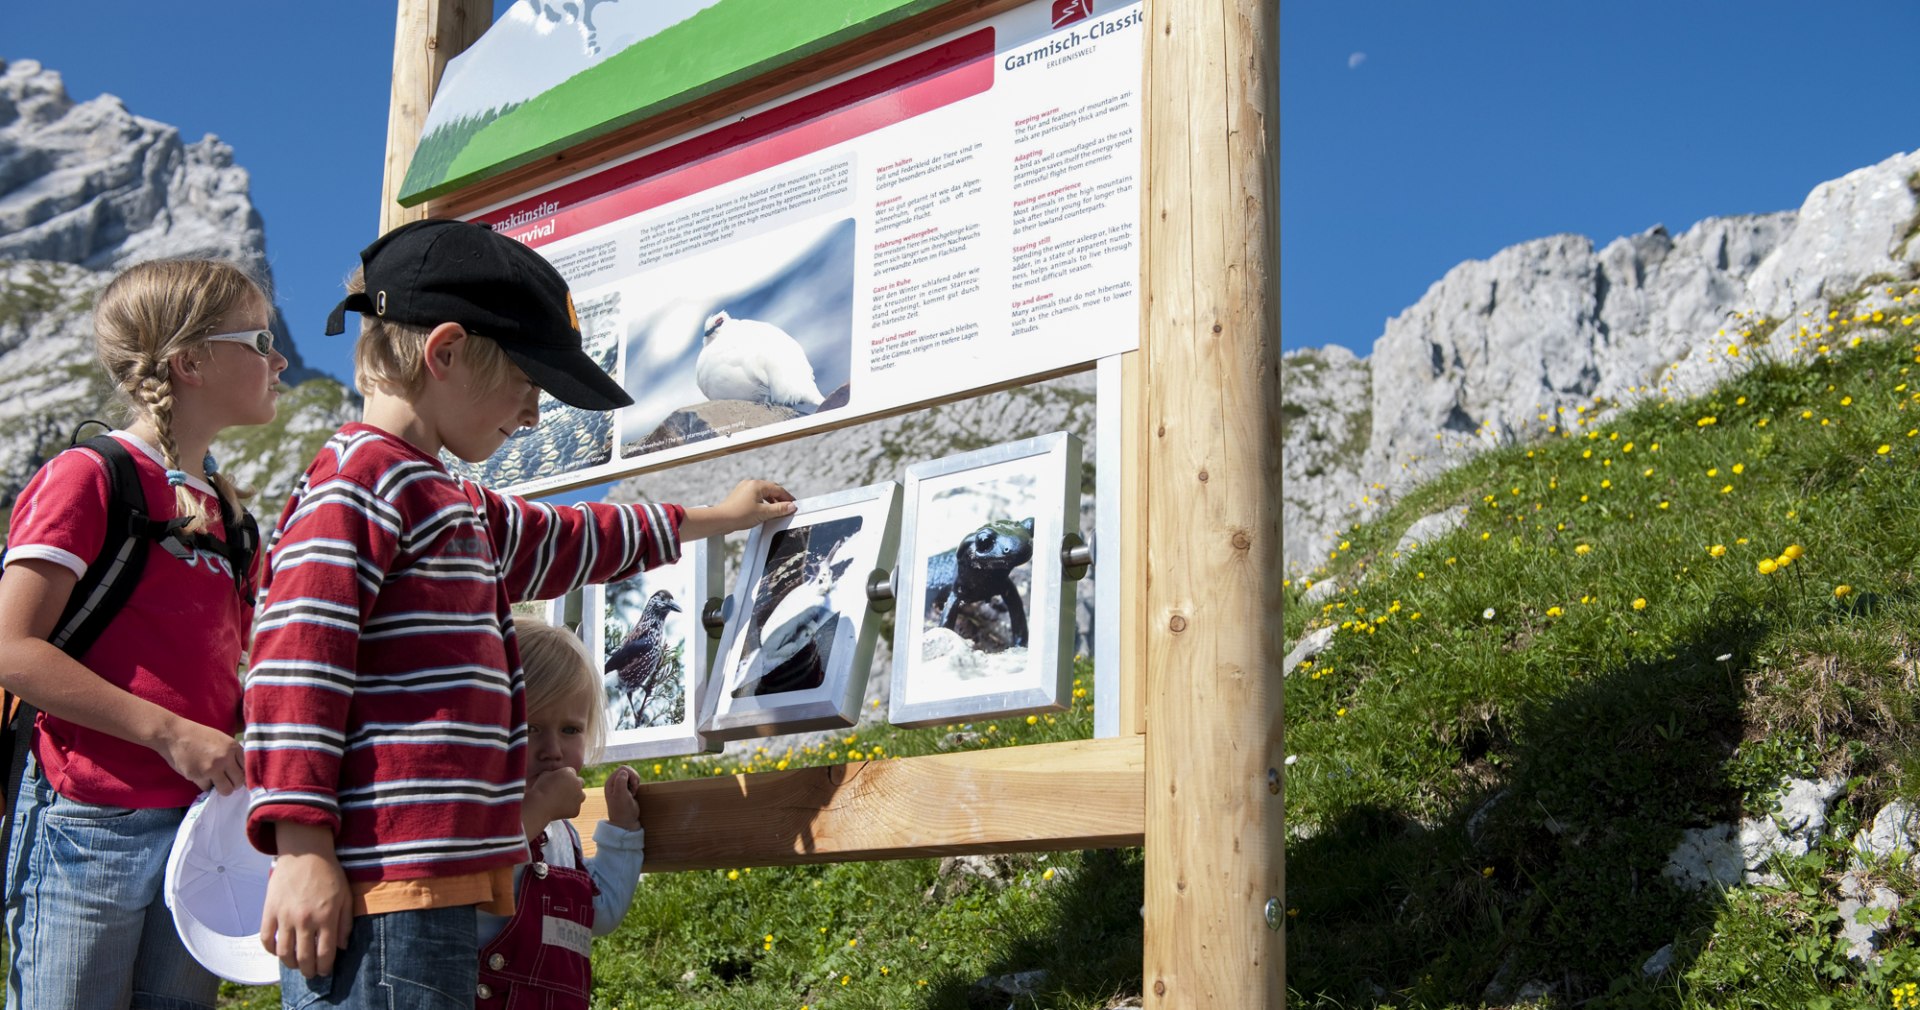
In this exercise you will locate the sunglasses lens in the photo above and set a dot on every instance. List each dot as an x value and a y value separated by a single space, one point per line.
263 342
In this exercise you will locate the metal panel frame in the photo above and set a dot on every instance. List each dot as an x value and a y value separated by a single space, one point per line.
1055 460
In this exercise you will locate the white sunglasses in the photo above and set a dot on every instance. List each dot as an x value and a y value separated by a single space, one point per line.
260 340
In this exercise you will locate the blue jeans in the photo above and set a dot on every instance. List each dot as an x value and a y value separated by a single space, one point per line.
425 959
86 923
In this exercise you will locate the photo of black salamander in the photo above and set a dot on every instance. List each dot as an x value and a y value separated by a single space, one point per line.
962 584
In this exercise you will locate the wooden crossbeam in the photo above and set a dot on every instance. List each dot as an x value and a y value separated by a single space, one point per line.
1082 794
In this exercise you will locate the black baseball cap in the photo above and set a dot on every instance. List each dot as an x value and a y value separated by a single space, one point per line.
441 271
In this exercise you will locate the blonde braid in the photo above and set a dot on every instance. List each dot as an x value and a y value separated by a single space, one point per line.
155 391
235 495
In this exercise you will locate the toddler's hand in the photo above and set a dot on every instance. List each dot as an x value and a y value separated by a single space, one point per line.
750 503
623 798
555 794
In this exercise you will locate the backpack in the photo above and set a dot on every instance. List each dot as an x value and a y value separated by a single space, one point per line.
109 581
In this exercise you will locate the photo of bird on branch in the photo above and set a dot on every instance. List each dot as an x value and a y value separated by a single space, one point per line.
645 667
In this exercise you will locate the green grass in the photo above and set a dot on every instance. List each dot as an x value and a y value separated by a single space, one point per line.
24 299
1594 663
321 397
868 935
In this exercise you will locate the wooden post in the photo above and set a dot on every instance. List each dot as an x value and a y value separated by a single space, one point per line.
1211 352
426 34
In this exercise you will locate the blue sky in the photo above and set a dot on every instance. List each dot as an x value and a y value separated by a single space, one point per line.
1467 125
299 90
1416 134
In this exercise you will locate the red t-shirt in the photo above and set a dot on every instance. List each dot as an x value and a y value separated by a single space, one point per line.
178 642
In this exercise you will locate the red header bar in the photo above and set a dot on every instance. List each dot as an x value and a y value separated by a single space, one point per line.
940 76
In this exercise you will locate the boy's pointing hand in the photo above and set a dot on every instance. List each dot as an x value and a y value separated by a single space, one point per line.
750 503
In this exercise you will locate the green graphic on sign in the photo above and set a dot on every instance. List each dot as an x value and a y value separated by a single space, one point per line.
550 75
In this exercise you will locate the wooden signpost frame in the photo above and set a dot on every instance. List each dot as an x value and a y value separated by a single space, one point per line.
1195 774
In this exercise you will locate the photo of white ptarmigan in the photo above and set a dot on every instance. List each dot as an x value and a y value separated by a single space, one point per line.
746 359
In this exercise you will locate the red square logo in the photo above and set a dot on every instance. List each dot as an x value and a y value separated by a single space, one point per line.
1066 12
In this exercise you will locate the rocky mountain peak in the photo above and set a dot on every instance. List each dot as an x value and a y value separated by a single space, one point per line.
93 185
31 92
1555 325
87 188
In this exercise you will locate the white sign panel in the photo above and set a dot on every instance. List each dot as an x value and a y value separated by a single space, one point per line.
957 217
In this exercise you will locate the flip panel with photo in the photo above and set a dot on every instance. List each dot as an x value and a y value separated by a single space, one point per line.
653 655
985 621
799 642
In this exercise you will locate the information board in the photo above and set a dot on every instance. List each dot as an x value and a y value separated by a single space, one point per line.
954 218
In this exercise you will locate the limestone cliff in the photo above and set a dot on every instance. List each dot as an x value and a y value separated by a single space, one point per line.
1557 325
87 188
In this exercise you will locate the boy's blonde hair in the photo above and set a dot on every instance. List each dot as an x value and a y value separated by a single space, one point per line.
558 669
149 313
391 357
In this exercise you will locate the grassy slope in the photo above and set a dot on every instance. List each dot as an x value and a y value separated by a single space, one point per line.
1598 648
866 935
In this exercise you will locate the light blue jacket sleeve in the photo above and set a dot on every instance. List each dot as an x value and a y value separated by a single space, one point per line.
615 869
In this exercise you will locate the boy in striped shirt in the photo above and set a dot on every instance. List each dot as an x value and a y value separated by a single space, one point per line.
386 729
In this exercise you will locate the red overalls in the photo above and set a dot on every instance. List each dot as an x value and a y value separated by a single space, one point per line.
542 959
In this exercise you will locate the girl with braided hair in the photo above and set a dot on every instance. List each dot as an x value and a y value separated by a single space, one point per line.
133 729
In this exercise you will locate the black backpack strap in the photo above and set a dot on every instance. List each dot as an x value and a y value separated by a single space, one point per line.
116 570
241 545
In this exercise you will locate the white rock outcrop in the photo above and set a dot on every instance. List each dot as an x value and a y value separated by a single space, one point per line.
1797 824
1894 834
1708 856
1555 324
92 184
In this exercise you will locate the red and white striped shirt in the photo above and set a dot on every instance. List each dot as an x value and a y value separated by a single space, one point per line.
385 701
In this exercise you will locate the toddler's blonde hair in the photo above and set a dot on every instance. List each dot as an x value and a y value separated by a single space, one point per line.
558 669
149 313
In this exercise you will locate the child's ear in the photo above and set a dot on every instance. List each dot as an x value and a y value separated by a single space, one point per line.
183 369
444 346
